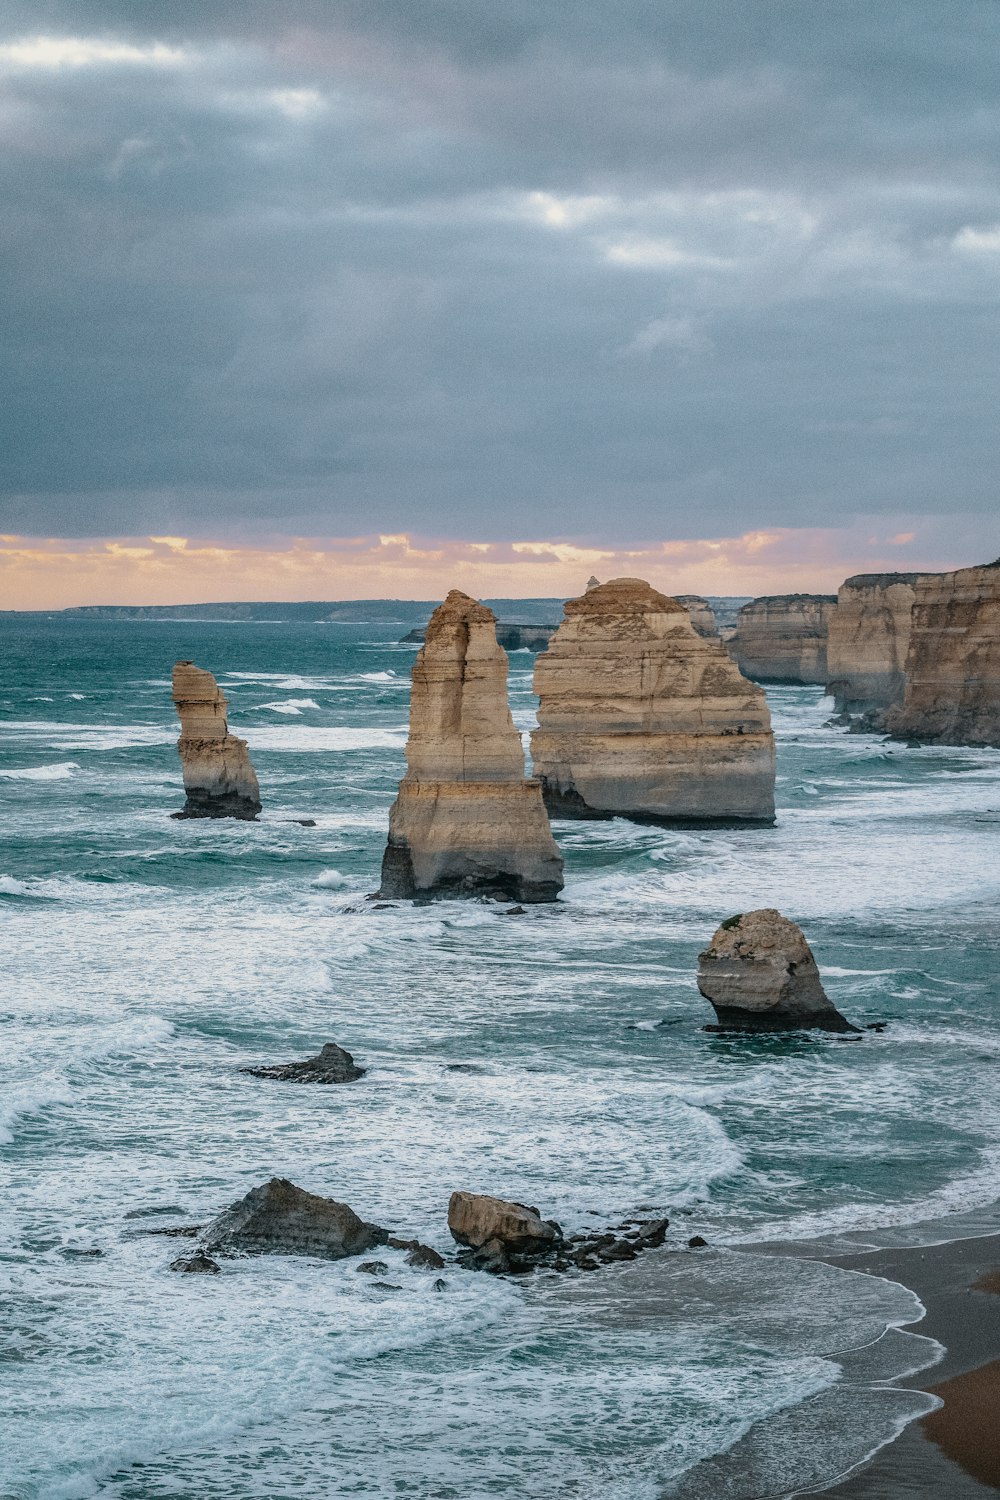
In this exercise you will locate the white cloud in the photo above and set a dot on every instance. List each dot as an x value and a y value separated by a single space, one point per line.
51 52
681 334
972 241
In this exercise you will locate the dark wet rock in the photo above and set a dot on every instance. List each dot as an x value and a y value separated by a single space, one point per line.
876 1025
424 1255
386 1286
384 906
697 1243
72 1252
440 1285
617 1250
464 1068
198 1263
305 822
515 911
175 1231
330 1065
154 1213
373 1268
279 1218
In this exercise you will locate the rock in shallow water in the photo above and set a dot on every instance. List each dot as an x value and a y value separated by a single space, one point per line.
197 1264
760 975
279 1218
219 780
330 1065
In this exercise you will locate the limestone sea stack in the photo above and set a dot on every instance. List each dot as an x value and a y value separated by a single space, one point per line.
700 611
782 638
466 822
641 717
218 777
760 975
868 641
952 688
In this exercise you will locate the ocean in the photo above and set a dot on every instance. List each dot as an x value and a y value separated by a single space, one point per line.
558 1058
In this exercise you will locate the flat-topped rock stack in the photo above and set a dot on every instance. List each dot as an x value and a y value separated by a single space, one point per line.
466 820
952 687
641 717
760 975
868 641
782 638
700 611
219 780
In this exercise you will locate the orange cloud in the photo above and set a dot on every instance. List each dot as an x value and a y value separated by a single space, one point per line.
54 573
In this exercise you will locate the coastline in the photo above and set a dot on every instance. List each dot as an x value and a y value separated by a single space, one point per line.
954 1451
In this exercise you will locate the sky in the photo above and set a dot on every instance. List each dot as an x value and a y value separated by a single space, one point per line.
339 298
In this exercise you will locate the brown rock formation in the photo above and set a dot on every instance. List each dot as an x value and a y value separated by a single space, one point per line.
279 1218
475 1219
466 821
218 777
760 975
782 638
701 614
330 1065
952 690
641 717
869 636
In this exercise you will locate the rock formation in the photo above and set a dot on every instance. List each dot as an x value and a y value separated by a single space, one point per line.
641 717
869 636
760 975
466 821
218 777
281 1219
500 1235
512 637
330 1065
952 689
701 614
783 638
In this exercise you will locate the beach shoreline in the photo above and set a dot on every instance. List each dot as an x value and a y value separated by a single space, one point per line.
954 1451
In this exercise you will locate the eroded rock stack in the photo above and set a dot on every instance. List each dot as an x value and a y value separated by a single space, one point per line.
218 778
782 638
700 611
639 716
760 975
952 688
869 637
466 821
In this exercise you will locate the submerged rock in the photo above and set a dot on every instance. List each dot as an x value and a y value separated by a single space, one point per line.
760 975
783 638
868 642
197 1264
279 1218
218 778
641 717
330 1065
952 689
466 822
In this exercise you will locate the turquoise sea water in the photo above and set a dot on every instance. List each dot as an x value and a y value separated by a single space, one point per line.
145 961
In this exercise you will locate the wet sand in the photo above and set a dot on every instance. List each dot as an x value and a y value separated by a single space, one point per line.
953 1453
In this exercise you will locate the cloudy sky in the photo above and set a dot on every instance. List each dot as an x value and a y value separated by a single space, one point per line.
330 298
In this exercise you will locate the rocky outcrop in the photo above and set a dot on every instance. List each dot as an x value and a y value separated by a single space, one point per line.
701 614
466 821
868 641
218 777
330 1065
782 638
952 688
511 637
281 1219
641 717
760 975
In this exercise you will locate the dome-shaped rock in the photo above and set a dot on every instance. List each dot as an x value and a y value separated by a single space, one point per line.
760 975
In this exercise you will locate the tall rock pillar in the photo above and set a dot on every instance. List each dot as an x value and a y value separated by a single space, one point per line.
218 777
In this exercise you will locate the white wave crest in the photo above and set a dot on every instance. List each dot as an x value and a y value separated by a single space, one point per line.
290 705
303 738
330 880
58 771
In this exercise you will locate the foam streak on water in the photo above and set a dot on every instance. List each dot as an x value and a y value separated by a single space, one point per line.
147 960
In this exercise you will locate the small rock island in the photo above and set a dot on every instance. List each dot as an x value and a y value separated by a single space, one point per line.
466 821
760 975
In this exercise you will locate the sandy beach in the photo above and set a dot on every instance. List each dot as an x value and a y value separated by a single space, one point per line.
953 1452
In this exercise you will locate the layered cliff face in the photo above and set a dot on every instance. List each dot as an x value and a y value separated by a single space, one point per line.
466 821
952 689
218 777
639 716
700 611
783 638
869 636
760 975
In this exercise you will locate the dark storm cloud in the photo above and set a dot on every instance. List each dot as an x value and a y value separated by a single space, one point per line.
605 272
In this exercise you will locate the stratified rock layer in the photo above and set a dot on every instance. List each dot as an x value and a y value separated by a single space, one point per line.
466 821
782 638
639 716
952 690
760 975
868 641
702 617
218 778
279 1218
